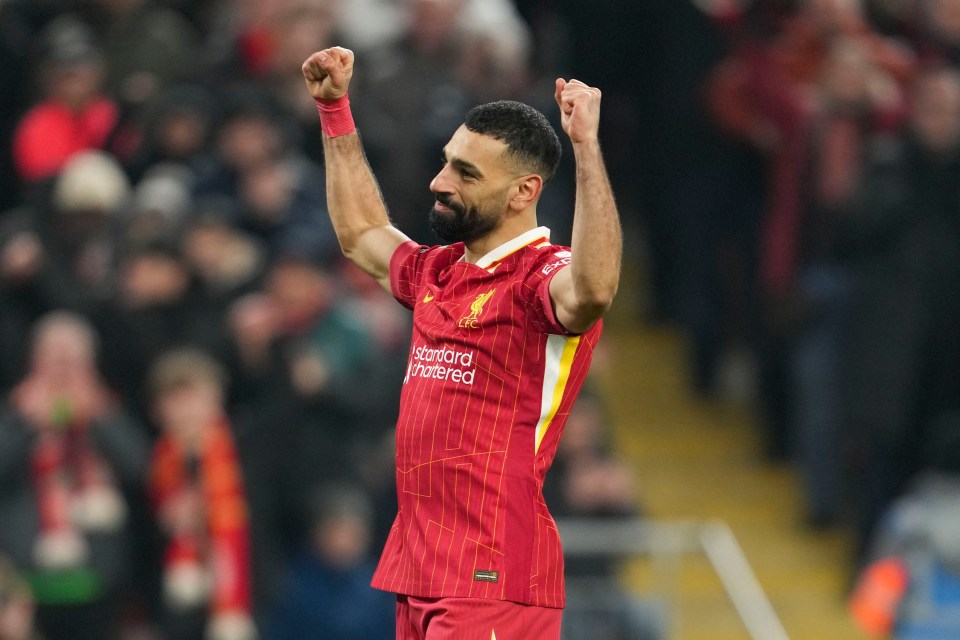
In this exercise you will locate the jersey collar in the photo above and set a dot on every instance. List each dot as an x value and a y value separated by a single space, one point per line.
536 237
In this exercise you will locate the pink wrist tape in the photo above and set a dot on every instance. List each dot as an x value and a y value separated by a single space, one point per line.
335 117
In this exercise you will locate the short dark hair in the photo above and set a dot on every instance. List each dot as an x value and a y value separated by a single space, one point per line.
529 137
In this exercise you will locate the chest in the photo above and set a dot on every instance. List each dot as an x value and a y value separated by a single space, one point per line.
466 305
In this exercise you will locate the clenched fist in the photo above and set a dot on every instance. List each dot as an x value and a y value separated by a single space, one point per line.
579 109
328 72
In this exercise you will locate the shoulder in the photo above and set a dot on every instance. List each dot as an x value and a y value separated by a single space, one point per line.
544 260
437 256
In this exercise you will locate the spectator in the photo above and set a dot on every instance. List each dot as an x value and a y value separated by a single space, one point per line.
147 47
73 113
276 191
765 93
71 461
412 103
901 345
326 353
306 409
78 230
196 488
60 252
327 592
158 307
589 481
268 421
856 101
161 204
910 585
388 328
295 33
177 128
227 262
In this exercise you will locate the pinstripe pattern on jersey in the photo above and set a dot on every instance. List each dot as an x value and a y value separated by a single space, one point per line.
482 409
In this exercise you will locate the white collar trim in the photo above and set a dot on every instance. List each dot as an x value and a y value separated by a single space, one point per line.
511 246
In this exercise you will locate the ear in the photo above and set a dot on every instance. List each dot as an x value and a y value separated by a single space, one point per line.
528 189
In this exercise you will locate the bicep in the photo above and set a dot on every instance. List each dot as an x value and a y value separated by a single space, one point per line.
373 250
570 312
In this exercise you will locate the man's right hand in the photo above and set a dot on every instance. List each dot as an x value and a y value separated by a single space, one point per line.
328 72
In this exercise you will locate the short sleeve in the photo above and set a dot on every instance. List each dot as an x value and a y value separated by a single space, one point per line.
406 272
537 282
549 313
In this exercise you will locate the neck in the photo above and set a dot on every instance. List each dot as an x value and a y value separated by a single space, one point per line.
510 227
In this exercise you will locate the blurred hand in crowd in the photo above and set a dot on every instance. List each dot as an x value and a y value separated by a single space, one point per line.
62 386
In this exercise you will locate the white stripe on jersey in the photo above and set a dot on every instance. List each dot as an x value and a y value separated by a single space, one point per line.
557 362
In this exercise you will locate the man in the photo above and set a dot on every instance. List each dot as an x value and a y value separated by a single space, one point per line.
504 327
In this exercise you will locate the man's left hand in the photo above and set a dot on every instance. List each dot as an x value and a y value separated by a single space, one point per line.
579 109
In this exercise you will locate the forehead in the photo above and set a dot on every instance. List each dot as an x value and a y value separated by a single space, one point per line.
485 152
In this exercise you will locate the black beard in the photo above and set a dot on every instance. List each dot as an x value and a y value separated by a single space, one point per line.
461 224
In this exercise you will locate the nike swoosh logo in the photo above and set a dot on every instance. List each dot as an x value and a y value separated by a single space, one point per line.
428 297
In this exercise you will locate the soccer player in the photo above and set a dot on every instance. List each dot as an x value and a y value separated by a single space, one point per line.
504 327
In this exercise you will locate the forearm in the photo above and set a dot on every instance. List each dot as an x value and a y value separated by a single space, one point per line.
354 200
596 244
356 207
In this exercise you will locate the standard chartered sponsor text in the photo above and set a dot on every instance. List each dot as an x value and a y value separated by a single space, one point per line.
441 364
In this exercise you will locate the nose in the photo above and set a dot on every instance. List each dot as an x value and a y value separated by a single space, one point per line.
440 182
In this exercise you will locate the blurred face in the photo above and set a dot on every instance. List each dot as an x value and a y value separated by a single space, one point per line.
298 291
186 410
61 353
473 189
249 141
75 84
936 112
304 29
154 279
342 541
206 246
267 191
433 22
182 134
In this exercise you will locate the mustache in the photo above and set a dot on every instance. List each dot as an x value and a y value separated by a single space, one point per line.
447 200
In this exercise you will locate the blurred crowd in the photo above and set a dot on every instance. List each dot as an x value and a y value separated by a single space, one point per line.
198 393
833 257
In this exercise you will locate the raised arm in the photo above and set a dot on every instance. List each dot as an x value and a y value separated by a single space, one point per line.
354 201
582 292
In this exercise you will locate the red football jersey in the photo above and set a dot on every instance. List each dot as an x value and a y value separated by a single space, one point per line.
490 380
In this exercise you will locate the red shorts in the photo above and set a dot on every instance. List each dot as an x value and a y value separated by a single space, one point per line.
474 619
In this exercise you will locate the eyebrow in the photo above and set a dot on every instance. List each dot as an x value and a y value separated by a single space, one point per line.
463 164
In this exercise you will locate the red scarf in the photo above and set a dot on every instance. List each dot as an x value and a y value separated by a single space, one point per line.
216 542
75 488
